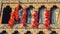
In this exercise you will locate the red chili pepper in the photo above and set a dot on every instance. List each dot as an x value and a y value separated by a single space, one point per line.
14 15
11 21
47 21
35 22
24 17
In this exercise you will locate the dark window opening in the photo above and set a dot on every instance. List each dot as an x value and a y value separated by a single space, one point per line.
28 32
53 32
15 32
53 15
4 32
41 32
29 14
41 13
6 14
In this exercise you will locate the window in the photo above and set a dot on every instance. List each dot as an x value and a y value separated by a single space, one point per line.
29 14
54 15
28 32
53 32
6 14
41 10
4 32
41 32
15 32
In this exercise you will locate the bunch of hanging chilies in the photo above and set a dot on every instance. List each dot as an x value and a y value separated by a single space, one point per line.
35 23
